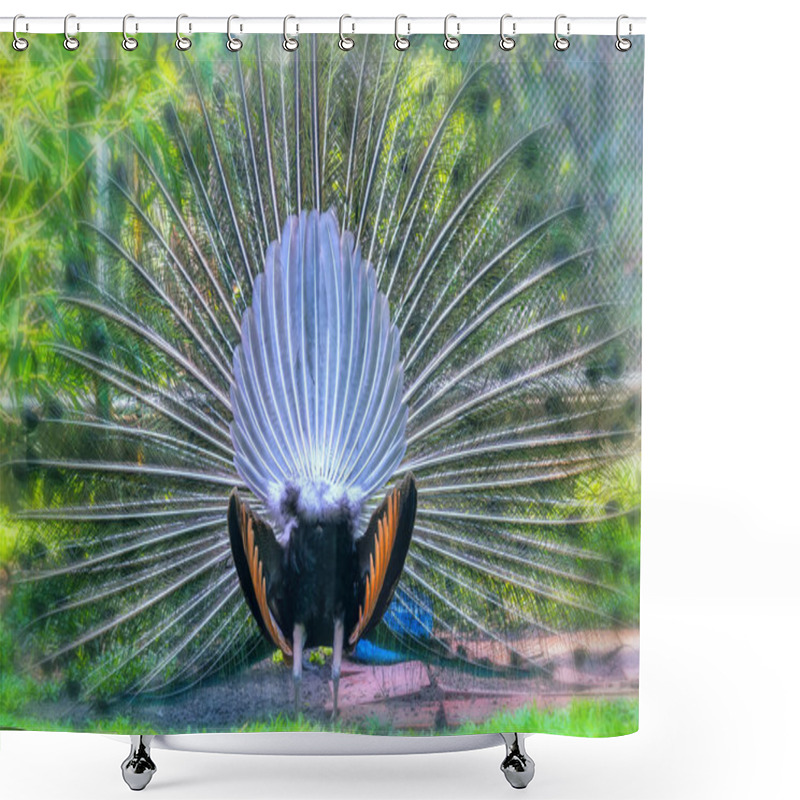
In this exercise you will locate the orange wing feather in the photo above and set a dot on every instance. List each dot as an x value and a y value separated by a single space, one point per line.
378 563
260 585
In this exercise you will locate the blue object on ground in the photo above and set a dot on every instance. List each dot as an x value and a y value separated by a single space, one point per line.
370 653
404 616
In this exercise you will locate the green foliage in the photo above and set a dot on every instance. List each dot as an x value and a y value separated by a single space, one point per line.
9 535
17 689
319 655
57 112
616 490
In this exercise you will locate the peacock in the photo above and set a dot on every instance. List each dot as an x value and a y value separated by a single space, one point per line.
353 355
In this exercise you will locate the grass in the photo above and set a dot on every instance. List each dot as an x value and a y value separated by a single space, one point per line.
582 717
118 724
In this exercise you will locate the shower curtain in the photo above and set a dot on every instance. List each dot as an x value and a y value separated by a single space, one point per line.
321 377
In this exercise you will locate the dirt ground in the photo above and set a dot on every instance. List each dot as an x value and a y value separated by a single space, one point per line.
410 695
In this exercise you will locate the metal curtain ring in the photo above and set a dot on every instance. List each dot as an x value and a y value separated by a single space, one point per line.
560 43
401 42
345 42
623 45
181 42
234 43
128 42
290 43
450 42
70 42
506 42
19 44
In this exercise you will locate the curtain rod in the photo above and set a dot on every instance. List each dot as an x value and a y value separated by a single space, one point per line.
630 26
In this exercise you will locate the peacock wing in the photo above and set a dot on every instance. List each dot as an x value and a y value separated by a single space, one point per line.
382 553
259 563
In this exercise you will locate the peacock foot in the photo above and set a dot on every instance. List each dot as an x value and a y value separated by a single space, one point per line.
138 768
517 766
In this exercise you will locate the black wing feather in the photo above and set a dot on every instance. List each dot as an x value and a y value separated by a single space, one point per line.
259 564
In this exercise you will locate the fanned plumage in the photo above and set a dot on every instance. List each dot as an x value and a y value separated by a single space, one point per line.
317 409
485 339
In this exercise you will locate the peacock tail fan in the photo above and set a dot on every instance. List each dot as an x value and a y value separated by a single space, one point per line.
438 223
318 417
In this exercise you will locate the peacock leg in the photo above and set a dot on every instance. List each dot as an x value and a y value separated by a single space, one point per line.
517 766
138 768
298 640
336 669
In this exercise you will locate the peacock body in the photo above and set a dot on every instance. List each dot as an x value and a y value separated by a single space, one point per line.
355 345
318 427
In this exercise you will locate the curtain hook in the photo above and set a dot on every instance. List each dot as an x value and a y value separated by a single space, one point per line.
345 42
506 42
181 42
70 42
450 42
128 42
560 43
401 42
234 43
290 43
623 45
19 44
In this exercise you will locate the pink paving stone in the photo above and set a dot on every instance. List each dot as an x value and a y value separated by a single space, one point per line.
377 684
